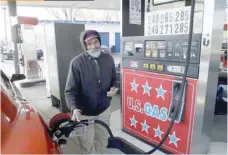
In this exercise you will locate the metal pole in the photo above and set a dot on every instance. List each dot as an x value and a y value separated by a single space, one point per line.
14 32
5 25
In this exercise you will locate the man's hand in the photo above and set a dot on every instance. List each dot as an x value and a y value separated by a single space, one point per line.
76 115
112 92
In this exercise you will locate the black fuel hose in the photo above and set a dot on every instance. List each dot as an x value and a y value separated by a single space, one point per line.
184 79
88 122
106 126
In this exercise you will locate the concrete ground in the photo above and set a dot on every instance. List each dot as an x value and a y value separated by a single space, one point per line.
37 96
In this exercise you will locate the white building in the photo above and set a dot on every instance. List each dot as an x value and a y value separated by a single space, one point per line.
107 22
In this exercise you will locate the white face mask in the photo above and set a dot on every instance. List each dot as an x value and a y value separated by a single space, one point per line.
94 52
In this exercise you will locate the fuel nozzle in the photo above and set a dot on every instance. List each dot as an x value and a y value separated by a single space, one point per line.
177 105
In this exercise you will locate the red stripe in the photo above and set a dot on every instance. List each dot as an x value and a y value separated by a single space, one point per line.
225 27
27 20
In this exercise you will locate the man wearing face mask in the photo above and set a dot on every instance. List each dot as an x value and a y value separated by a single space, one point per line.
90 86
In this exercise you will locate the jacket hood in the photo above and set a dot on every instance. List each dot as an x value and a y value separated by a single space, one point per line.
82 37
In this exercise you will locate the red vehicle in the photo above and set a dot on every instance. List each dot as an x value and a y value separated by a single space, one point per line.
23 131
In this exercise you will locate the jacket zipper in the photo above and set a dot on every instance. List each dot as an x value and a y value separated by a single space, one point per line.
98 73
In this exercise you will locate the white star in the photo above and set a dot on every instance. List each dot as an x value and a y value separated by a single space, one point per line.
158 132
161 92
145 127
134 86
146 89
173 139
133 121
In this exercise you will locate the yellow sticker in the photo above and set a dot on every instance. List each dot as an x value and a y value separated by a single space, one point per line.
145 66
160 68
152 66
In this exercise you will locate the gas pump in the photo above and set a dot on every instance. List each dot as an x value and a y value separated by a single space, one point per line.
27 47
170 69
61 37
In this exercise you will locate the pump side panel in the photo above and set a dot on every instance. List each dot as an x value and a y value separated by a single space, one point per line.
143 106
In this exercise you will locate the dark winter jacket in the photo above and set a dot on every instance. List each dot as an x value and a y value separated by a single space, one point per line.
86 87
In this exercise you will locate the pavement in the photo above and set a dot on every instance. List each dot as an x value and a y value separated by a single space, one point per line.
37 96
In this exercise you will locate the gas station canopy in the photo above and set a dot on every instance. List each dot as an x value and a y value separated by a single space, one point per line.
89 4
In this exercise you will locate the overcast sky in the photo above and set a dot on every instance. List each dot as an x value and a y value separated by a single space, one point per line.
44 14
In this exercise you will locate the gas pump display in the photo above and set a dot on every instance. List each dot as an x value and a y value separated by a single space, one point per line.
151 83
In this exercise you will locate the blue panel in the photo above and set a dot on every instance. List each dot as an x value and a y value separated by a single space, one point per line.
104 38
117 42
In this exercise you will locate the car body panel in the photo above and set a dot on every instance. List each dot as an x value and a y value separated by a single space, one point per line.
23 131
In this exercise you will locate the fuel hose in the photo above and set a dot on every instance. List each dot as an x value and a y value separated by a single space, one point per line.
184 81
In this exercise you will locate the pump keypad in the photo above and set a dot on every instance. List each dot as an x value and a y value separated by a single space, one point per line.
172 50
163 54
